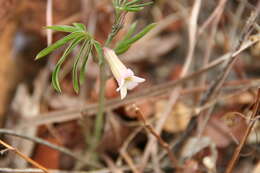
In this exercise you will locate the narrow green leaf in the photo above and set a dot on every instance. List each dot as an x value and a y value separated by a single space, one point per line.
141 33
123 2
99 50
132 2
84 63
130 31
125 44
80 26
63 28
115 3
141 5
75 68
122 49
55 74
134 9
121 44
58 44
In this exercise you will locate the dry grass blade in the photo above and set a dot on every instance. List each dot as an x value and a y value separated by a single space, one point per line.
37 165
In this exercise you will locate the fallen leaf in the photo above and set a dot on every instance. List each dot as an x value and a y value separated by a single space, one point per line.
257 168
46 156
178 119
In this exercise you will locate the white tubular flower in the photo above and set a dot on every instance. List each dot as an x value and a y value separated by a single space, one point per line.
124 76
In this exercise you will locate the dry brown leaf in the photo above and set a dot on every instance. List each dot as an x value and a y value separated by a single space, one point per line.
257 168
179 118
254 136
255 50
111 86
46 156
225 128
110 89
242 98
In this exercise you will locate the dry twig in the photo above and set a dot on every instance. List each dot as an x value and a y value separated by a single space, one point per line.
164 144
48 144
37 165
251 124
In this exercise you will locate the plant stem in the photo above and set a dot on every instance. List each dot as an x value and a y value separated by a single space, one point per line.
102 76
101 104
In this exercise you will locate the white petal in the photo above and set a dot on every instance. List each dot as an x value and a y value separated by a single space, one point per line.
137 79
121 84
123 92
129 72
131 85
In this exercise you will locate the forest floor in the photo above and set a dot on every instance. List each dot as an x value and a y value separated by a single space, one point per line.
196 112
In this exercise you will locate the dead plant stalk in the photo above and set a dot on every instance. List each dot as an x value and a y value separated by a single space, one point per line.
251 124
37 165
164 144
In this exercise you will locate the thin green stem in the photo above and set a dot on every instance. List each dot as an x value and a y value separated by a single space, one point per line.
102 76
100 115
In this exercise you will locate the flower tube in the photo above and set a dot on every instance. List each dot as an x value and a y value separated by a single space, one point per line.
124 76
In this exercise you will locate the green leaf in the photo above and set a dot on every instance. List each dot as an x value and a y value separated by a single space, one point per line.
80 26
75 68
132 2
115 3
133 9
58 44
130 32
123 2
83 67
55 74
122 49
63 28
121 44
141 5
99 50
141 33
125 44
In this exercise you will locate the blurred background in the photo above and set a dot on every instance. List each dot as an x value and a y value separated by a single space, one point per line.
30 106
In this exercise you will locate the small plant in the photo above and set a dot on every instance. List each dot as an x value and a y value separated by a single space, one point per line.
88 45
79 35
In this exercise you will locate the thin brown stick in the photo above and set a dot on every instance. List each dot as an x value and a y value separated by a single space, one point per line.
123 150
224 97
49 19
159 124
34 170
216 86
129 161
192 36
210 40
252 122
48 144
111 164
213 15
28 159
164 144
